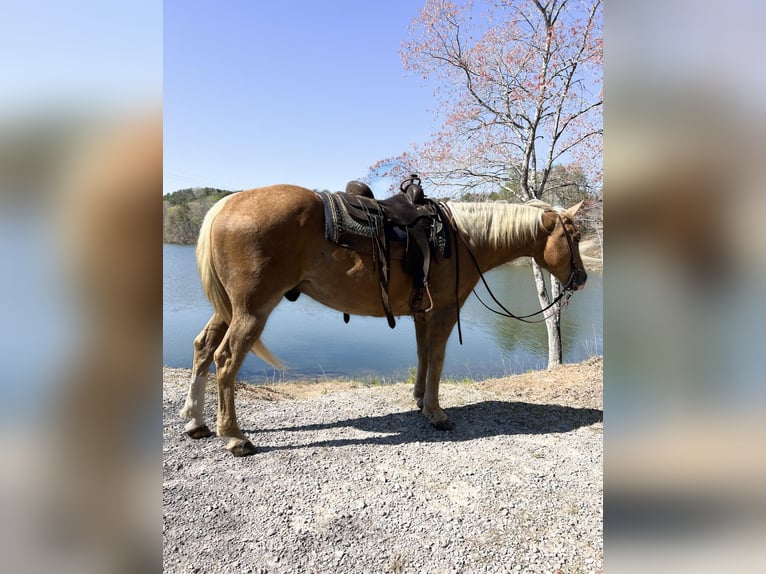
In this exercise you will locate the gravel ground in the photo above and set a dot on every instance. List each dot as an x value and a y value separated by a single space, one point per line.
350 478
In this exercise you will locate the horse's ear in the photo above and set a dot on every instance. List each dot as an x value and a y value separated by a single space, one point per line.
570 213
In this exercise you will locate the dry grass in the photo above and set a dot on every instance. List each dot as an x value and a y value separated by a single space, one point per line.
578 384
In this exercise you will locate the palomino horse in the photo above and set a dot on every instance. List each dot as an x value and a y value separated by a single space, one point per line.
258 245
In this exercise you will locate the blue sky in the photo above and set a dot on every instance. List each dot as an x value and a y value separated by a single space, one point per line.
79 55
296 91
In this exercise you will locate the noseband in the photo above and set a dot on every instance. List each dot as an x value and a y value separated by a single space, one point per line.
569 286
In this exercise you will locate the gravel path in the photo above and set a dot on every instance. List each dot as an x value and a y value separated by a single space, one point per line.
351 479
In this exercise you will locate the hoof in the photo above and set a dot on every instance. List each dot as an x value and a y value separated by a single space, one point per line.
438 418
419 402
242 448
443 425
200 432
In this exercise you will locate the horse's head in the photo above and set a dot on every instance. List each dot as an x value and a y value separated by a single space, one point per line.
561 253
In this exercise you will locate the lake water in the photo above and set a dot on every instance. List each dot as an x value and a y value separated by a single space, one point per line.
313 341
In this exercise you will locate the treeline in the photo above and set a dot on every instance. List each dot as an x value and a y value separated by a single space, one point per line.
183 211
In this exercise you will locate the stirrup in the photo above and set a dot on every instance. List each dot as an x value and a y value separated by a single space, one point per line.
416 299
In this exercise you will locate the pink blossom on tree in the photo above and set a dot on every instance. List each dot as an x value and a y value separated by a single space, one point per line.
519 89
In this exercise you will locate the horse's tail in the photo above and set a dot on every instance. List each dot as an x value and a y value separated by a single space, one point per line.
211 283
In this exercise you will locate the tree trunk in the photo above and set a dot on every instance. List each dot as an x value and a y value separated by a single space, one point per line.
553 322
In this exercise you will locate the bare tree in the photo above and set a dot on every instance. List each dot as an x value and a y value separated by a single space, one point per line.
520 86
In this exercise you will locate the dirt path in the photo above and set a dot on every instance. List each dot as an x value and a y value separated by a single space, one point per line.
351 478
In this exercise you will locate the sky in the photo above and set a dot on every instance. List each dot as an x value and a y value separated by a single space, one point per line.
79 55
298 91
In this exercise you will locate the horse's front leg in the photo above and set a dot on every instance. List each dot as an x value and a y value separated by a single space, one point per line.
439 324
420 378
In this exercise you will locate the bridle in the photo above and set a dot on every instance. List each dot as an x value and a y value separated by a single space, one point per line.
574 268
563 297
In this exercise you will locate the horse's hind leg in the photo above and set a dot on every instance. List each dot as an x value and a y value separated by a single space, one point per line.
243 332
205 345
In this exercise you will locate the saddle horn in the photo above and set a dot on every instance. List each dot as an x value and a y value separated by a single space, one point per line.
412 189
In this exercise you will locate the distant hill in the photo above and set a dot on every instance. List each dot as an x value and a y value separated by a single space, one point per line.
183 211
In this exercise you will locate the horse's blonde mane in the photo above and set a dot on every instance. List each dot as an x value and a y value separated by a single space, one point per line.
499 224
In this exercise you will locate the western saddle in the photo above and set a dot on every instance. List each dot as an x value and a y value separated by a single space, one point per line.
406 226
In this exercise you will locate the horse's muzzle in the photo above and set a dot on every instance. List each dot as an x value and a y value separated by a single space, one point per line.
580 277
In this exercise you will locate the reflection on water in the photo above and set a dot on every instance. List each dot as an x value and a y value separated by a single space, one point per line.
314 342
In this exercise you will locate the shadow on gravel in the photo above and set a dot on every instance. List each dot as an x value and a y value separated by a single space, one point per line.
484 419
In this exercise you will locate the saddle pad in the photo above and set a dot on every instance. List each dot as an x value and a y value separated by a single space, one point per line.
338 222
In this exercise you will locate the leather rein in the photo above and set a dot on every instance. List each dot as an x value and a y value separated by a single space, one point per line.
566 291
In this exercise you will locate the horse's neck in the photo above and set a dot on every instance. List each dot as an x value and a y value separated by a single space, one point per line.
490 256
